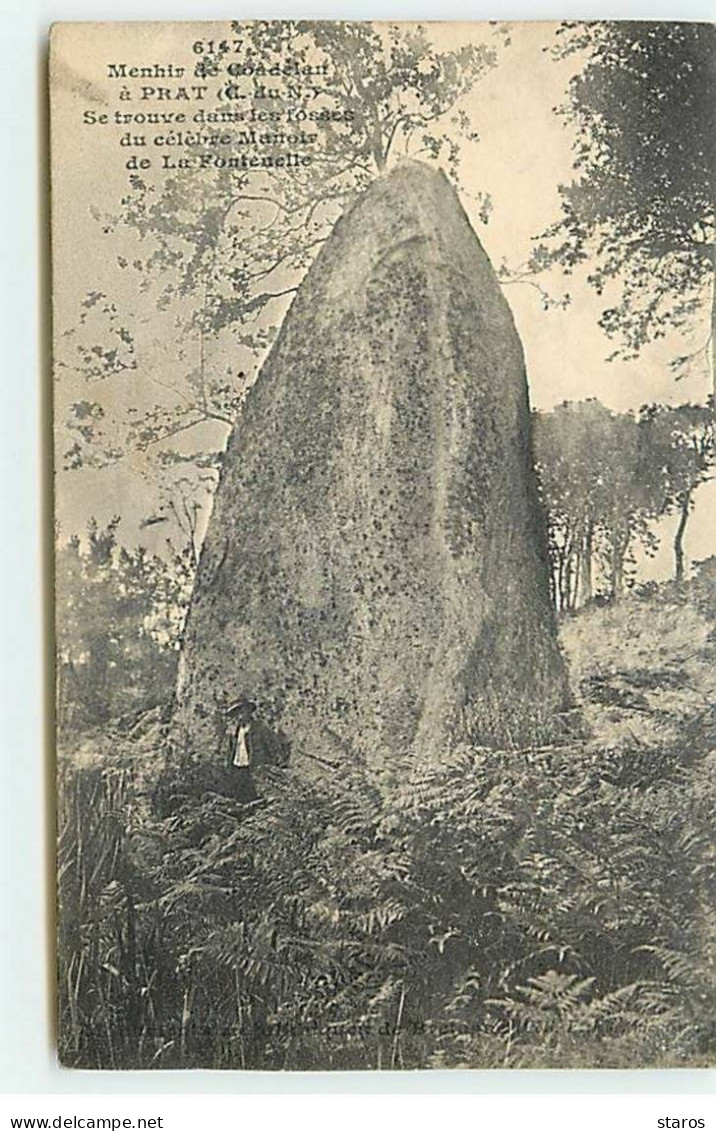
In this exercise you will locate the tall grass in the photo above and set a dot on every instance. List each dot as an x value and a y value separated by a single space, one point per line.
490 919
521 908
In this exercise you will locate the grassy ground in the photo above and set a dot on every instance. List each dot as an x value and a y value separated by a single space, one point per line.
513 908
644 669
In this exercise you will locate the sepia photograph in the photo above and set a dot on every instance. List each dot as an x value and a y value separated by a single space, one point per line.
384 544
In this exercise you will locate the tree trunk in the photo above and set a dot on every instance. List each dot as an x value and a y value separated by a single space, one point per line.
586 589
620 545
375 575
576 576
562 577
679 559
713 337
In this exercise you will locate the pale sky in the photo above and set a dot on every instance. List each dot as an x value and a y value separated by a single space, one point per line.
523 154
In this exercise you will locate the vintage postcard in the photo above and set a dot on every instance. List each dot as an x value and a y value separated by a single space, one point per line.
385 544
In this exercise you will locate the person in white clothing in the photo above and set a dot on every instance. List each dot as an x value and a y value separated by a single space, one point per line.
248 743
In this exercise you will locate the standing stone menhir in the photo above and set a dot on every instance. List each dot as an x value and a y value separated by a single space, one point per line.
375 571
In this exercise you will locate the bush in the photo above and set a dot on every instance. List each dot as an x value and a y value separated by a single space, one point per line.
524 908
703 587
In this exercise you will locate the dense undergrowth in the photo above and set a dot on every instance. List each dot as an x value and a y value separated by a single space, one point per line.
526 908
